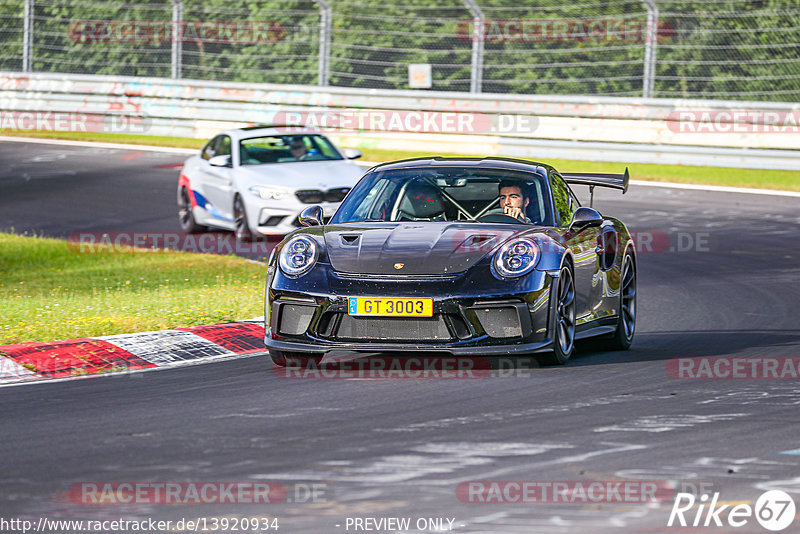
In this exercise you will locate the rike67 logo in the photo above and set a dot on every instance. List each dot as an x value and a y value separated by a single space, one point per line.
774 510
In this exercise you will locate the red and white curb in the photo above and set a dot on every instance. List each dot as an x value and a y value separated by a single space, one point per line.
27 362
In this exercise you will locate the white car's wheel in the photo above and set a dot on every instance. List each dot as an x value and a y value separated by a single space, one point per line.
241 228
185 215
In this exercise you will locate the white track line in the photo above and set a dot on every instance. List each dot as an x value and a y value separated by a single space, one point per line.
173 150
719 188
90 144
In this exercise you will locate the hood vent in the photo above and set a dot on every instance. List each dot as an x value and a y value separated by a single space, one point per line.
350 240
478 240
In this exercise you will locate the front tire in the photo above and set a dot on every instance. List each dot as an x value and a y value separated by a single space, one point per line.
302 360
241 228
626 324
185 214
564 328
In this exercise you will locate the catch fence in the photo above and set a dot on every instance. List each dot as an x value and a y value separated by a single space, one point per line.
710 49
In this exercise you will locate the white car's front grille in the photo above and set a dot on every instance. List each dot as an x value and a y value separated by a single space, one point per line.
317 196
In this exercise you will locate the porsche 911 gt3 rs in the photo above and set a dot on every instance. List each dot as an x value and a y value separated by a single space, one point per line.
464 256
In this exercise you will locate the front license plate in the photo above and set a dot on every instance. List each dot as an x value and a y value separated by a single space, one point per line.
390 307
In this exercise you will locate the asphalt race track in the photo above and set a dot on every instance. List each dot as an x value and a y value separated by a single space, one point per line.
720 279
57 190
62 191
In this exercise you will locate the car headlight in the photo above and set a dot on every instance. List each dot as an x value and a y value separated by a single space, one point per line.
516 258
268 193
298 256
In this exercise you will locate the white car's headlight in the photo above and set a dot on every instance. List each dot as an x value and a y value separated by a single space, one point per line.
516 258
298 256
269 193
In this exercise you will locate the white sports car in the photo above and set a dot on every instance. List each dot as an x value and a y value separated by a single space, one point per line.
256 181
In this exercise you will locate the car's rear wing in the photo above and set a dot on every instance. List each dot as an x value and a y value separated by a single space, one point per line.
593 179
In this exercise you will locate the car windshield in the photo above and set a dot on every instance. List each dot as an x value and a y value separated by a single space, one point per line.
286 149
447 194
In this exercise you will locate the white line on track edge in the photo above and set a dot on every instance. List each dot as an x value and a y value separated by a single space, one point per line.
190 151
98 144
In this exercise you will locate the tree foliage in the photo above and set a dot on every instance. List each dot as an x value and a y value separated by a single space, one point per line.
722 49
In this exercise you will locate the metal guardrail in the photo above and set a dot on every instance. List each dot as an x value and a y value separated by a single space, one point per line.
590 128
324 53
664 48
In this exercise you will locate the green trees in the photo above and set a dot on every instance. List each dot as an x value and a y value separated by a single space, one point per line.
736 50
723 49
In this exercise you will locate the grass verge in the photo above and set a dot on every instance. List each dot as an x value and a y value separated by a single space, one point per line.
129 139
722 176
49 291
684 174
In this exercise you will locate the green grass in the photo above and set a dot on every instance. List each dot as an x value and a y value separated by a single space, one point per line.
731 177
685 174
50 291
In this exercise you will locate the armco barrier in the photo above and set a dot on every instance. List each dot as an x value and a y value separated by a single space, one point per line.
735 134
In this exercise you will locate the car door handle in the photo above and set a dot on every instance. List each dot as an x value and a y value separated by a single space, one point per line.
226 182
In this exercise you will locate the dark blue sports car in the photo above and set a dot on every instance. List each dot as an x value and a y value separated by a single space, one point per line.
462 256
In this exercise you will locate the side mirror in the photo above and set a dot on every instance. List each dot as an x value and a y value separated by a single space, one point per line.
584 218
351 153
311 216
220 161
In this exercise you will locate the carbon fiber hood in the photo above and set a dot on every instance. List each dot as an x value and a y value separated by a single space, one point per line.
421 248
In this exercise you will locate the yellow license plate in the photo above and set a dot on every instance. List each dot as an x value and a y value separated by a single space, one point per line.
390 307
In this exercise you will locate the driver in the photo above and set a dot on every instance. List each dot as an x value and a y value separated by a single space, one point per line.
298 149
513 201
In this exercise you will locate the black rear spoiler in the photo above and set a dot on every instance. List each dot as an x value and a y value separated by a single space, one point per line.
616 181
592 179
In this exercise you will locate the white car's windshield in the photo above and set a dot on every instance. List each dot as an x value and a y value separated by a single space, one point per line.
286 149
